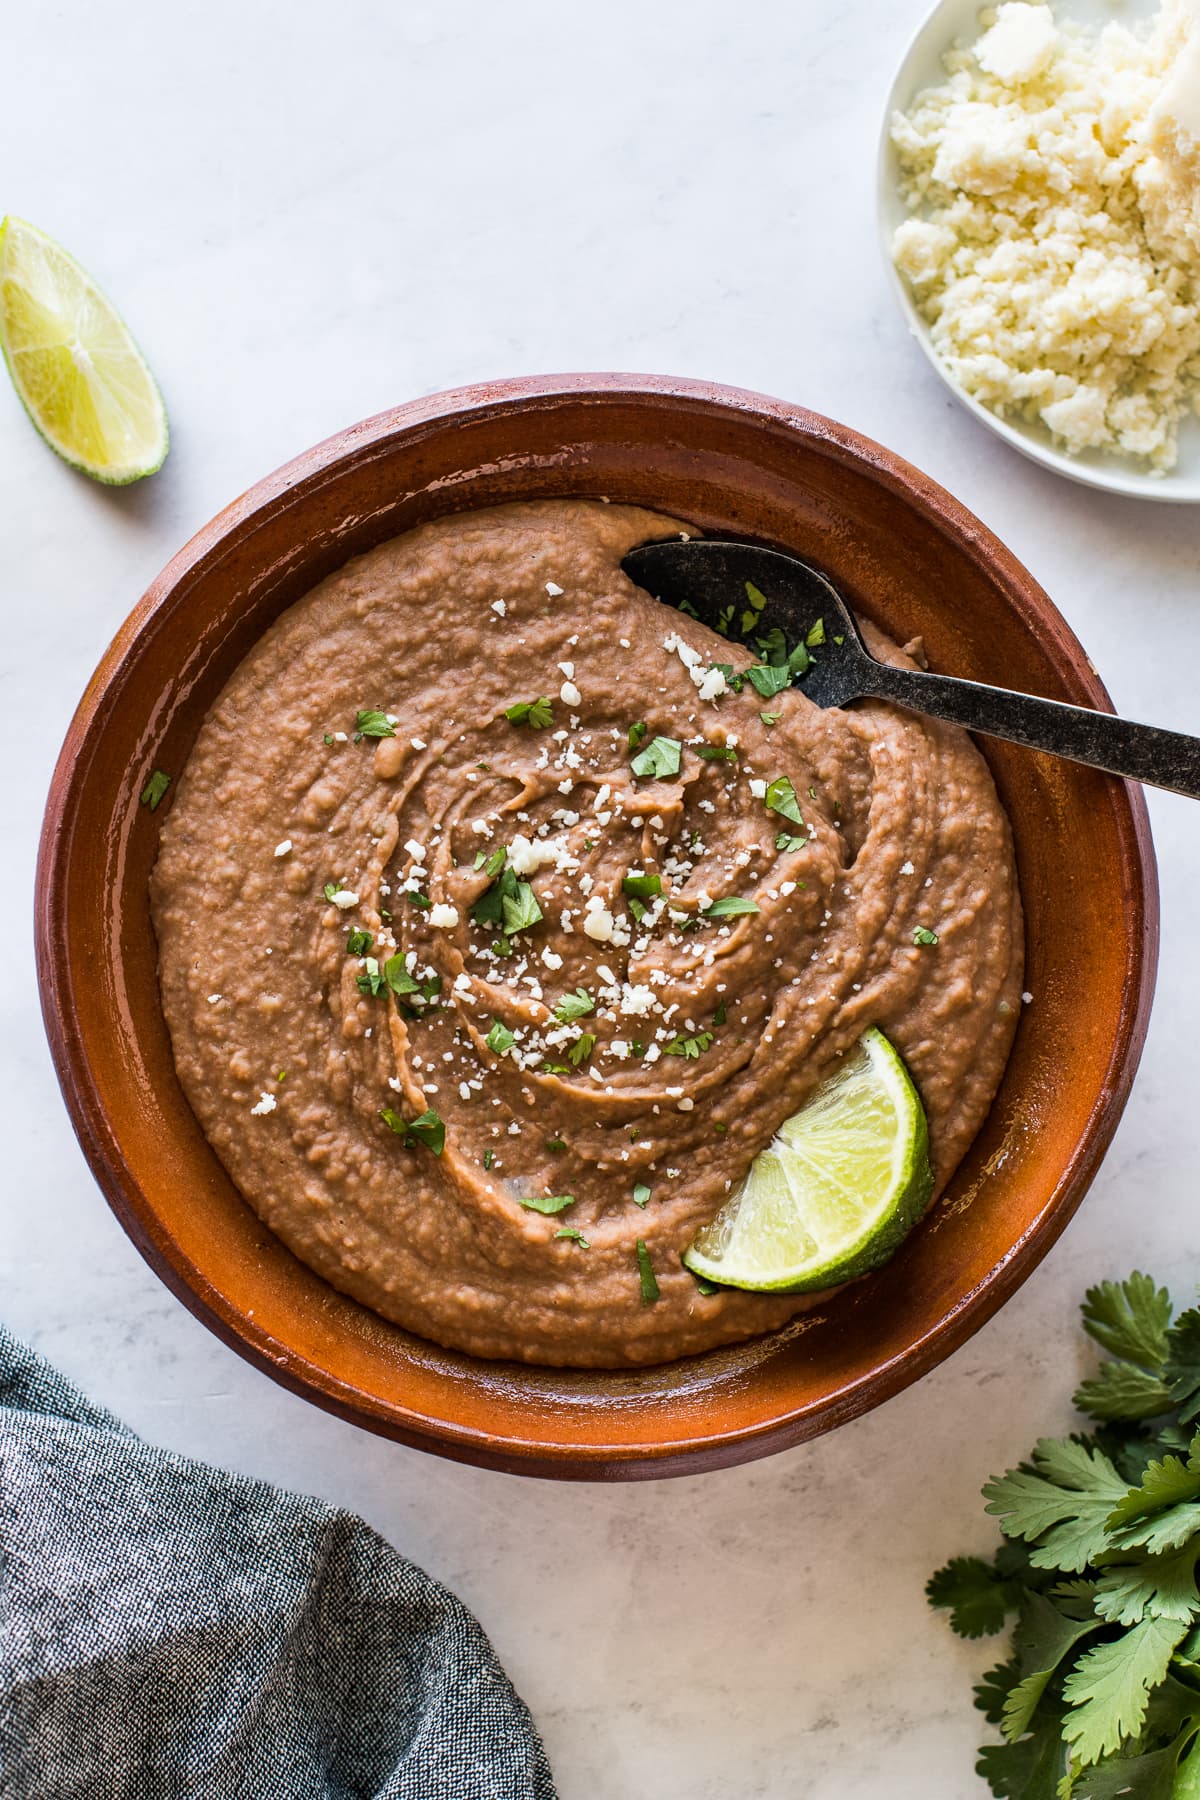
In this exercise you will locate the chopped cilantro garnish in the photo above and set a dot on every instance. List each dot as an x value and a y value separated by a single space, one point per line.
642 887
757 600
154 789
703 1284
499 1038
537 713
641 1194
556 1145
501 947
582 1048
569 1231
733 681
767 680
574 1006
690 1047
725 619
770 718
425 1129
637 908
839 640
715 752
417 899
815 634
720 1127
787 840
491 862
923 935
547 1203
660 757
358 943
637 733
729 907
395 973
510 903
646 1274
489 1157
372 724
548 1068
327 738
781 798
371 981
719 1015
332 888
686 607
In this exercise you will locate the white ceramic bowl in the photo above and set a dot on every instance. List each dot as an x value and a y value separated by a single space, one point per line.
952 21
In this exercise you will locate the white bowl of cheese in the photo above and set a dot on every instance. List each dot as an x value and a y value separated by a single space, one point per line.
1009 330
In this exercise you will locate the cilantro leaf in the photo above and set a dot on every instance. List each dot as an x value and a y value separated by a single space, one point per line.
661 757
769 679
637 733
979 1601
1181 1371
1043 1637
581 1049
1152 1776
519 909
788 841
569 1231
547 1203
731 906
1030 1770
1121 1391
689 1047
499 1038
1162 1585
923 936
538 714
641 1193
781 798
491 862
733 681
650 1288
425 1129
154 789
1162 1513
770 718
406 986
489 1157
372 724
1108 1689
1060 1505
574 1006
643 887
371 981
715 752
755 601
815 635
358 943
1129 1319
993 1689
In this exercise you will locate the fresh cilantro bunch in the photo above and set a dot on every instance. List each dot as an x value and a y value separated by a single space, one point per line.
1101 1694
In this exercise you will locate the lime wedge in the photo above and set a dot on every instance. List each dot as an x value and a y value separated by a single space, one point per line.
844 1180
79 374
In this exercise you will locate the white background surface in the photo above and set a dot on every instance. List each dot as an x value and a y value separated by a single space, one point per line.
308 214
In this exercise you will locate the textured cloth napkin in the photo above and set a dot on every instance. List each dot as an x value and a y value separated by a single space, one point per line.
168 1630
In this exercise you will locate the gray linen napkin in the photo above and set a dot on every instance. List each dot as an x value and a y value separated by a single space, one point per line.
167 1630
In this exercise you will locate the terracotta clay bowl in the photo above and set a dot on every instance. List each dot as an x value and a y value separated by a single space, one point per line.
902 551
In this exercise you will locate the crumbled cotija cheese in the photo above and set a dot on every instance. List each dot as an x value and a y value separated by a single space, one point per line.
1056 257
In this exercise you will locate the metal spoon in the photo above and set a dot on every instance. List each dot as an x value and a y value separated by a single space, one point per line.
707 577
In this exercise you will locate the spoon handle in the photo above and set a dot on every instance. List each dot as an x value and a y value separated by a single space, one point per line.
1166 759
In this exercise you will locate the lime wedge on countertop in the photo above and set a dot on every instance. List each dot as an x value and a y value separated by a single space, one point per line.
79 374
842 1182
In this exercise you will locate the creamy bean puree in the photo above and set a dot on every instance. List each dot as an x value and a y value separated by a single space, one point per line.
490 923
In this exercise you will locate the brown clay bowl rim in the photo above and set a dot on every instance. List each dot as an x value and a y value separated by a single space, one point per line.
300 1374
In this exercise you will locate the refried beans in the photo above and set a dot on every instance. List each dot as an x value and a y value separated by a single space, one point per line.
485 920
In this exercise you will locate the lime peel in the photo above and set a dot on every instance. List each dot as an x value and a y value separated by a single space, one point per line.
77 371
842 1183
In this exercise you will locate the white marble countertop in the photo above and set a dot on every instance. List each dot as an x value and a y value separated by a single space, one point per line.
311 213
